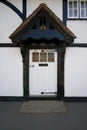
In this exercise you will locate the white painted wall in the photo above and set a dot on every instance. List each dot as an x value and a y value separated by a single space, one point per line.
76 72
16 3
9 21
54 5
79 28
11 72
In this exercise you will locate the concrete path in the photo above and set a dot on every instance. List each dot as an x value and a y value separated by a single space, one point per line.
74 119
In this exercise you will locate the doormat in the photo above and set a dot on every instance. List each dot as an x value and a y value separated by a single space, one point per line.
43 107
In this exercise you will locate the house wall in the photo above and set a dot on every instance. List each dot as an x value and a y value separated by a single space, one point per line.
54 5
9 21
79 28
11 69
11 72
75 72
75 78
17 3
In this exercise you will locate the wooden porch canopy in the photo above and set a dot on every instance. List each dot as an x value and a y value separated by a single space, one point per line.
43 26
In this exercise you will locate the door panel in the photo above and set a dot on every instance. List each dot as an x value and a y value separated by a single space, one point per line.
43 72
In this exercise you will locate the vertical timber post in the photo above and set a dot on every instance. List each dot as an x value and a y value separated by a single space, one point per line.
61 52
25 56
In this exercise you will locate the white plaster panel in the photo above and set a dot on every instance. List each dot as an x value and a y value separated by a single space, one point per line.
76 72
79 28
16 3
9 21
11 72
54 5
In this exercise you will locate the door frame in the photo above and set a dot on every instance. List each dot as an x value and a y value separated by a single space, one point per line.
60 79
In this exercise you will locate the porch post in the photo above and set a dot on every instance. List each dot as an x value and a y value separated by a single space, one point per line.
25 58
61 53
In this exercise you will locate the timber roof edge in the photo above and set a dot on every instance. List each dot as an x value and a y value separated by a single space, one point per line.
51 14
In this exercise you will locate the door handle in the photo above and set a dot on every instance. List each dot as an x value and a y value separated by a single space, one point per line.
48 92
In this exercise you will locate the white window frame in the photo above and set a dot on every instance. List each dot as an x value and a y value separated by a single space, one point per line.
73 10
83 9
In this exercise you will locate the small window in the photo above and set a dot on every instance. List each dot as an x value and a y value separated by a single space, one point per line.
73 8
50 57
77 9
43 57
83 8
35 57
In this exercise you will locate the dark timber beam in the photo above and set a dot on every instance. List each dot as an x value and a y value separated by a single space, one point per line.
61 53
64 11
26 73
24 9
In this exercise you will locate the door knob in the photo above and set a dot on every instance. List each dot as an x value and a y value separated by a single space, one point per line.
31 65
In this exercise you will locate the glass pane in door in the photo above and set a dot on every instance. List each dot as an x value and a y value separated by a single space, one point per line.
43 57
35 57
50 57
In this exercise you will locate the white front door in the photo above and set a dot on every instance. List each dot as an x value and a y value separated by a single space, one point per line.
43 72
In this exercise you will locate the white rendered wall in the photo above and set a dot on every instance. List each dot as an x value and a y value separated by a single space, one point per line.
76 72
16 3
9 21
79 28
11 72
54 5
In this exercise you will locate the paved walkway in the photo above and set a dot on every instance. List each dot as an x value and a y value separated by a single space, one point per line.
74 119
